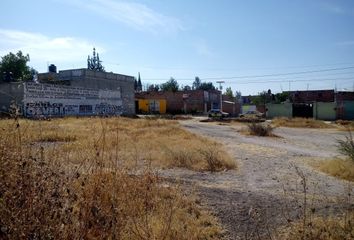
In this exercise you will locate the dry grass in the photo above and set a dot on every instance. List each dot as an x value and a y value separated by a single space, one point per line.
346 147
299 123
326 228
340 168
260 129
159 143
315 222
345 125
73 179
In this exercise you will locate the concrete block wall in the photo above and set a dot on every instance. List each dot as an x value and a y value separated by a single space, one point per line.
279 110
10 93
324 111
102 80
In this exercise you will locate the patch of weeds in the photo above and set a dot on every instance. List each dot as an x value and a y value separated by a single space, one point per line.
259 129
340 168
215 160
330 227
299 123
311 224
346 146
345 124
42 198
180 157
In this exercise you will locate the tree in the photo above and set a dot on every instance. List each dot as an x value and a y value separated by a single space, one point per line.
281 97
261 99
139 86
135 84
13 67
153 88
187 88
238 95
206 86
196 83
170 85
229 92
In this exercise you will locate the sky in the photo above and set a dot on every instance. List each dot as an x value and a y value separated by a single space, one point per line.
252 45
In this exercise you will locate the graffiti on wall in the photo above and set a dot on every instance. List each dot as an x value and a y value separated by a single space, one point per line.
107 109
43 109
56 100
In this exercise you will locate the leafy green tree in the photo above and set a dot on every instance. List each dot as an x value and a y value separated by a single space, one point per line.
206 86
196 83
170 85
281 97
263 98
260 99
13 67
229 92
187 88
238 95
153 88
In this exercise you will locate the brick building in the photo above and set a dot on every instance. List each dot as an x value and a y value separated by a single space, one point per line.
193 101
311 96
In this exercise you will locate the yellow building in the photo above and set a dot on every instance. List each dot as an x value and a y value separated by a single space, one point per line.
151 106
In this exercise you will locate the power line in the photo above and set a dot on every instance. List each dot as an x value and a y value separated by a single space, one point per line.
262 76
299 80
279 74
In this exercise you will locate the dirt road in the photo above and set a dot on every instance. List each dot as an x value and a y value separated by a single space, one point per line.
265 192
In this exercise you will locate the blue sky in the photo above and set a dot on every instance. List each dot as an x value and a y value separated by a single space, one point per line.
298 45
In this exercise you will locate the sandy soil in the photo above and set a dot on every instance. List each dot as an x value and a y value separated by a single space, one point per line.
266 191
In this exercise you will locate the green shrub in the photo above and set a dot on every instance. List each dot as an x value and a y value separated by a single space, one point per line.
347 146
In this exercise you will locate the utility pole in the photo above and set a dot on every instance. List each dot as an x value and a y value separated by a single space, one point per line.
220 87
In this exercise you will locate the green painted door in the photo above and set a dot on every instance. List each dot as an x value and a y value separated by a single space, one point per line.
348 110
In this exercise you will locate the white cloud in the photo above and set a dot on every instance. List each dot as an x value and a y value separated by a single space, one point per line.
43 49
136 15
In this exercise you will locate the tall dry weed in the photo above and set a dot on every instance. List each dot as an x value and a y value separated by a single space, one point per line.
56 189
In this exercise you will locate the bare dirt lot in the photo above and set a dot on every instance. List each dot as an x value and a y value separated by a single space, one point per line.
266 191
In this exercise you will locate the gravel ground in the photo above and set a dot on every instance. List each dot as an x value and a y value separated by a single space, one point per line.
265 192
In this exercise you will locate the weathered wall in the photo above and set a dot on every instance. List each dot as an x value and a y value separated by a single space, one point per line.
324 111
151 106
344 96
57 100
98 80
279 110
231 108
312 96
10 93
